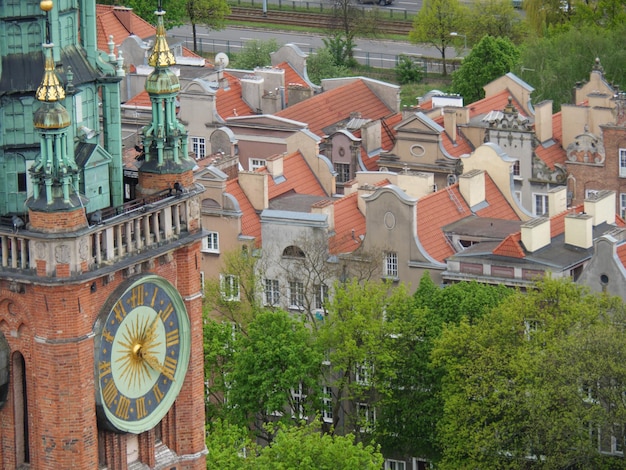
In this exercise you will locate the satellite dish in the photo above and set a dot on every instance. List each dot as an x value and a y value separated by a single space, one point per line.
221 60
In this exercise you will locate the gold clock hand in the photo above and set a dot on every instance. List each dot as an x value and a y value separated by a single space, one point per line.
156 365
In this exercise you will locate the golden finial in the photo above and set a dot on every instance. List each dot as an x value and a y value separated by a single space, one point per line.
46 5
161 55
50 88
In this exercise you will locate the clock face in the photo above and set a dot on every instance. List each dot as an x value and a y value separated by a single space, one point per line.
142 353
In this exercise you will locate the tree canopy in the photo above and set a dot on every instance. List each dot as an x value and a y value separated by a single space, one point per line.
489 59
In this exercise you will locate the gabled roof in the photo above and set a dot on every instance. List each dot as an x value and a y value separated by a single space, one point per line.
388 134
292 77
335 105
621 253
297 177
229 102
554 153
491 103
250 220
349 225
446 206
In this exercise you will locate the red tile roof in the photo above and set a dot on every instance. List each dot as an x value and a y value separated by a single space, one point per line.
494 102
336 105
298 177
229 102
291 76
349 225
439 209
621 253
555 153
250 221
511 246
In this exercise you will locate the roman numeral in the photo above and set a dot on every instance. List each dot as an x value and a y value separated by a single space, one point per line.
140 404
154 296
136 298
105 368
123 406
171 338
169 364
109 393
164 314
120 311
106 334
158 394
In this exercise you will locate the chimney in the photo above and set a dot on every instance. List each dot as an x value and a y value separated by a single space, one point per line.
274 165
579 230
449 122
472 187
557 200
536 234
416 185
601 206
364 191
463 115
543 121
255 187
326 207
252 91
371 136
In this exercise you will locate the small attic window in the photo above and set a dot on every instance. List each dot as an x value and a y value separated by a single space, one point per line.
293 251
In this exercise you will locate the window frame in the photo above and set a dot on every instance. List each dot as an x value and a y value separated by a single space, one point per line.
211 243
230 282
256 163
198 146
545 206
271 287
621 161
343 172
390 265
327 404
296 293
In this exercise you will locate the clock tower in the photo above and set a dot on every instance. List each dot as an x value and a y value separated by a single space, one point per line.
101 355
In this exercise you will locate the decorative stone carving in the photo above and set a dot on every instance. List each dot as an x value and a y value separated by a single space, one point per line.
62 254
586 148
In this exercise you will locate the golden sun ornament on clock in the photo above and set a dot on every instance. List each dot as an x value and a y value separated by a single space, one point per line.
142 354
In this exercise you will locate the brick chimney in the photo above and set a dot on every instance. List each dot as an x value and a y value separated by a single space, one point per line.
536 233
125 16
601 206
543 121
579 230
472 187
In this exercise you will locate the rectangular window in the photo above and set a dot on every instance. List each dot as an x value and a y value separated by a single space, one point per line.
363 373
366 416
391 464
516 168
390 267
321 295
211 243
327 403
229 286
198 147
256 163
272 292
622 205
296 295
541 204
297 400
343 172
590 192
622 163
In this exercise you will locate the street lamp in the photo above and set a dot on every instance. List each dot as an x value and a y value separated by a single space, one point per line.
455 34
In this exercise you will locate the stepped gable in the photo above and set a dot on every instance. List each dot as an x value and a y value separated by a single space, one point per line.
440 209
330 107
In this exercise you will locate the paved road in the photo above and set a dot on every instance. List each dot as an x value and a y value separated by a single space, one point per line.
374 52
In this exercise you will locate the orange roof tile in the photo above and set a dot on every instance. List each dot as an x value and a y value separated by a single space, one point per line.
555 153
335 105
511 246
140 99
349 225
250 221
229 102
621 253
439 209
298 177
494 102
291 76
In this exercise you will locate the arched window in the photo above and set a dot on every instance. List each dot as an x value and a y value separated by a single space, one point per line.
293 251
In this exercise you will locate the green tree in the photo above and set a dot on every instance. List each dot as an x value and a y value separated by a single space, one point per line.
528 383
543 15
276 368
307 448
294 447
175 11
495 18
488 60
408 70
255 53
434 23
322 65
211 13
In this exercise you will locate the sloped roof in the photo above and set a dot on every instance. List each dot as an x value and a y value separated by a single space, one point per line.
349 225
462 146
292 76
555 153
298 177
497 101
229 102
440 208
621 253
511 246
388 134
335 105
250 220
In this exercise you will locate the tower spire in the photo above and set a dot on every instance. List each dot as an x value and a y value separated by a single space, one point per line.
165 138
55 174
